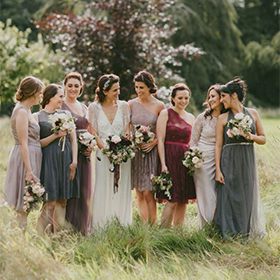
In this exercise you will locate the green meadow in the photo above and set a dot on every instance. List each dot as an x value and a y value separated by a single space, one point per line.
141 251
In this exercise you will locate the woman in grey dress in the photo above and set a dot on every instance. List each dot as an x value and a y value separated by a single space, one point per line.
204 138
58 172
25 158
144 111
238 203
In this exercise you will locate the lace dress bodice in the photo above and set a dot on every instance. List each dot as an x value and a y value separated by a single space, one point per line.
204 132
101 124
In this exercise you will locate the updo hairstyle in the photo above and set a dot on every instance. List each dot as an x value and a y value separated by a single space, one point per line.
209 111
28 87
77 76
105 83
148 79
236 85
177 87
50 91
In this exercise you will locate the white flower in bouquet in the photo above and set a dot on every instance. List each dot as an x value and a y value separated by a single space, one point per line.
116 139
193 159
239 116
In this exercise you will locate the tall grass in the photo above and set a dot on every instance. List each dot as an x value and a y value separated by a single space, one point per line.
141 251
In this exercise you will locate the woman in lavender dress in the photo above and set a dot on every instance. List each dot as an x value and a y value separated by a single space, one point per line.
144 111
78 209
25 158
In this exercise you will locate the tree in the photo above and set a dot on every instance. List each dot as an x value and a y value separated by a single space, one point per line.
211 24
117 36
18 59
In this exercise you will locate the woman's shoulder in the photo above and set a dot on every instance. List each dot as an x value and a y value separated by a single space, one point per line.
94 105
158 103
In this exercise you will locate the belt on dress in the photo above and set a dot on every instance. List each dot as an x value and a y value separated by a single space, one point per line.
81 130
235 144
177 143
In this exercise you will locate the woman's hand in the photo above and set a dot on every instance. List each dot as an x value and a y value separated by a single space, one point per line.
88 151
29 176
220 177
61 133
147 147
72 167
164 169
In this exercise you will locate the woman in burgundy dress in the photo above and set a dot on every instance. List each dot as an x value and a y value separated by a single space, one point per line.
174 128
78 209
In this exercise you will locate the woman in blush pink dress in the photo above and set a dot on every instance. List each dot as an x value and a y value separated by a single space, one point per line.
78 211
174 128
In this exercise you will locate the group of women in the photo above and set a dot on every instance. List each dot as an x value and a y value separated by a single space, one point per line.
225 187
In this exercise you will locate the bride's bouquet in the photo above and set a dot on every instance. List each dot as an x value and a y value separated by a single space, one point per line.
33 194
118 149
240 125
193 159
162 182
143 134
84 141
61 121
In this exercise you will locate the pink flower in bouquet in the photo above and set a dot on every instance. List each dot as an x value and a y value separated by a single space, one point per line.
145 128
116 139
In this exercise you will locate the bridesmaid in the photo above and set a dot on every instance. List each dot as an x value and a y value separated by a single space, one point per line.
58 173
204 138
24 162
174 128
238 202
144 111
78 210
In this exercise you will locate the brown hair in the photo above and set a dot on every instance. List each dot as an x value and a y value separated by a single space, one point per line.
148 79
74 75
28 87
236 85
49 92
105 83
177 87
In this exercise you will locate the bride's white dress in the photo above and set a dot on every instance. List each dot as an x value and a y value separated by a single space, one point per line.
106 204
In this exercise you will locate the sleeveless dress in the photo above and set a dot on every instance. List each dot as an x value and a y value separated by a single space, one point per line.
144 164
204 138
178 135
108 205
15 176
238 203
55 170
78 210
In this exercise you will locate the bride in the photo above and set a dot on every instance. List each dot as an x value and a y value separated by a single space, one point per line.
110 116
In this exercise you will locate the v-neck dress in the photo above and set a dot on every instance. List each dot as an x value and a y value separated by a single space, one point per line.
144 164
78 211
108 205
178 135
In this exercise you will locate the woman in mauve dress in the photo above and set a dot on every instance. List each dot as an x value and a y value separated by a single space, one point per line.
24 163
239 209
78 211
174 128
144 111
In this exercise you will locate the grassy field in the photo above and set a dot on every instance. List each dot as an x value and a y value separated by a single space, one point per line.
141 251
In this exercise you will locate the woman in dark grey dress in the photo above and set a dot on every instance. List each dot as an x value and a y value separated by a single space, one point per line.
238 202
58 172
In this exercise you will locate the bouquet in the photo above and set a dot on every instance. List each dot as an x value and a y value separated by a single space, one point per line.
118 149
61 121
162 182
143 134
33 194
239 126
193 158
84 141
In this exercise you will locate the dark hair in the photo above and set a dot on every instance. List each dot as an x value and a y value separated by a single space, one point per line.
28 87
146 78
105 83
209 111
74 75
177 87
49 92
236 85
